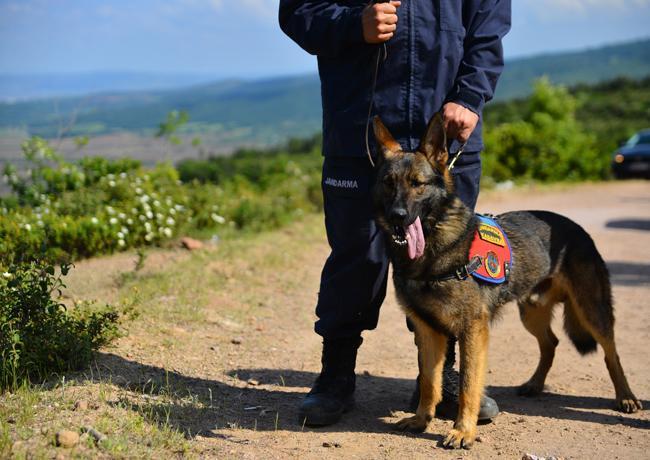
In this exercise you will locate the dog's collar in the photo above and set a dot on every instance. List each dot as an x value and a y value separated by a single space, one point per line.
461 273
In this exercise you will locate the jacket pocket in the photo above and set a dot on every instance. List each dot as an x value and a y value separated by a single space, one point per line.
451 15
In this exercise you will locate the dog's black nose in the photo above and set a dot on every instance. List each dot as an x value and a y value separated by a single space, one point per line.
398 214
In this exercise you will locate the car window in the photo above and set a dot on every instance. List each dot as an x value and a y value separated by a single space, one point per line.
639 138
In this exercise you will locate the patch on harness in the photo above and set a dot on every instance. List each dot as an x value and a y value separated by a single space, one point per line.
491 234
491 245
492 264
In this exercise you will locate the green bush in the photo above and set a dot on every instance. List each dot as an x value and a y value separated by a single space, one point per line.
63 211
39 335
110 213
547 143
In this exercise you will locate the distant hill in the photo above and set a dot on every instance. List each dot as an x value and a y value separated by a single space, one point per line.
20 87
238 112
631 60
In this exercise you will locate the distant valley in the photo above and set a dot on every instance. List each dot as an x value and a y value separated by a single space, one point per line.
231 113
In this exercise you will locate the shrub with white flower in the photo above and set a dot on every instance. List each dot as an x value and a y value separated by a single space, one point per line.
99 206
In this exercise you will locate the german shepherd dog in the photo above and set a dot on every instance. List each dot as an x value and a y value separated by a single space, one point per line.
554 261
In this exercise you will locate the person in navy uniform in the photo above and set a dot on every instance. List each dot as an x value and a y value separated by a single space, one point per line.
440 55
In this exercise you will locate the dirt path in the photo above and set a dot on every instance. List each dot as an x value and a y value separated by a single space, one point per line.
252 357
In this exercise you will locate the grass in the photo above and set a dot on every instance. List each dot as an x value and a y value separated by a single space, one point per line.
178 295
31 416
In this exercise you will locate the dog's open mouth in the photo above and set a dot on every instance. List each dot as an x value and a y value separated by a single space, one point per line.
411 236
399 236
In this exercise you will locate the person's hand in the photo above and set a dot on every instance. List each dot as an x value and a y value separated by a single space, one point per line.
459 121
379 21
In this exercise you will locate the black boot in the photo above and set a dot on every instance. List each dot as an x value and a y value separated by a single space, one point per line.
333 391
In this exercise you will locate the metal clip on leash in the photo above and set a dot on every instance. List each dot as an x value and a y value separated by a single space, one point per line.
456 156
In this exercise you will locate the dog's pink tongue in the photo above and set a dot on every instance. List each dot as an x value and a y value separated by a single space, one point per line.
415 239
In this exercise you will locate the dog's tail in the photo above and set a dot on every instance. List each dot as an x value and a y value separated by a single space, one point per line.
588 306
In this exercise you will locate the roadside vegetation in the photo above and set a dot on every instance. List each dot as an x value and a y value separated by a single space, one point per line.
60 211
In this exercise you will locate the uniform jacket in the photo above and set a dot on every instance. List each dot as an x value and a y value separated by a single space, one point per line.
443 50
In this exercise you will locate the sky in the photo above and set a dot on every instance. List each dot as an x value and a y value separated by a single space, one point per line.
241 38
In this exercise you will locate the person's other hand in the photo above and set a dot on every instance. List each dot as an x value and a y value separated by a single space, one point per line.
379 21
459 121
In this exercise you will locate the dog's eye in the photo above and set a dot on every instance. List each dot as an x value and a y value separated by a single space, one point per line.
387 180
416 183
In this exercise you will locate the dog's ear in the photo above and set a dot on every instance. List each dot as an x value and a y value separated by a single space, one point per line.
388 146
434 143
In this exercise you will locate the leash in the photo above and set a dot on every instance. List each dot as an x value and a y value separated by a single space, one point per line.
372 97
374 87
378 60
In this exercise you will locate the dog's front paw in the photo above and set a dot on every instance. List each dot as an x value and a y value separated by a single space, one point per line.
414 423
459 438
629 404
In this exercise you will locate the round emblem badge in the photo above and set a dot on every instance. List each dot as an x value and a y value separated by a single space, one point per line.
492 264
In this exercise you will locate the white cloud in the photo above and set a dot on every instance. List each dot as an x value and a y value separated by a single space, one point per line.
260 8
551 7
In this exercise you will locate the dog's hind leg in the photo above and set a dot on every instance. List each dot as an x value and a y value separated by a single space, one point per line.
432 347
536 313
625 399
589 314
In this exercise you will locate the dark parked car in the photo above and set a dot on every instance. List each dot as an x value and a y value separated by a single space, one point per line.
632 159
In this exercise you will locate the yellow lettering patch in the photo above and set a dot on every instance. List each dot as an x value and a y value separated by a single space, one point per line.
491 235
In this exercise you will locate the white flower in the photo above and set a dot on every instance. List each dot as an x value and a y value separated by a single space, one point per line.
172 211
129 221
148 237
124 230
170 221
113 221
138 190
111 183
110 210
28 227
120 235
40 223
168 232
159 217
121 216
123 175
147 226
121 243
156 203
218 219
142 218
94 220
149 215
7 275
